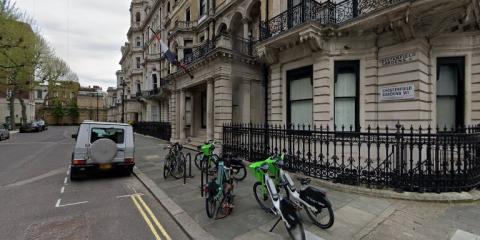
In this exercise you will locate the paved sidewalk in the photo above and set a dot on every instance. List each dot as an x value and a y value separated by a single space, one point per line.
356 216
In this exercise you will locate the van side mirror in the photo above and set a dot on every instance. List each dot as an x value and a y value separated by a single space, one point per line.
74 135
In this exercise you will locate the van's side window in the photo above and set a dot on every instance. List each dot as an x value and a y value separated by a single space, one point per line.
114 134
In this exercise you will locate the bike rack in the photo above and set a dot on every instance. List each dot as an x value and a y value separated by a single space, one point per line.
189 156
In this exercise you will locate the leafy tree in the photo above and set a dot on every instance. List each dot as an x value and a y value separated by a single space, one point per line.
58 112
73 111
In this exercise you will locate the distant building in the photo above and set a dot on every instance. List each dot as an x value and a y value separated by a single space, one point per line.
91 104
61 95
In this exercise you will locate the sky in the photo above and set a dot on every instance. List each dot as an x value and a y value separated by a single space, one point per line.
87 34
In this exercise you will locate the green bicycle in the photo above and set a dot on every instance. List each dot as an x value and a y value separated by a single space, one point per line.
207 161
312 199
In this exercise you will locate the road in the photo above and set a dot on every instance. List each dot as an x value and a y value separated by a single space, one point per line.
38 200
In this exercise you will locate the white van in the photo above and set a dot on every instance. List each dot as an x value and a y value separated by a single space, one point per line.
102 146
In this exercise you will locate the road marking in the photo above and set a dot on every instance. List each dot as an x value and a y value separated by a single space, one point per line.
129 195
149 223
68 172
34 179
62 190
154 218
65 181
68 204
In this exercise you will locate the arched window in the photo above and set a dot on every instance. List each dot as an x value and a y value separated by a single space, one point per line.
138 17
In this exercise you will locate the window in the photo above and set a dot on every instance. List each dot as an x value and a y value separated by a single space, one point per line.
300 96
346 95
155 113
188 111
168 7
203 7
187 15
138 62
139 88
138 17
39 94
154 81
139 42
114 134
450 92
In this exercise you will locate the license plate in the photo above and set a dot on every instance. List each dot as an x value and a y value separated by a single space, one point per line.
105 166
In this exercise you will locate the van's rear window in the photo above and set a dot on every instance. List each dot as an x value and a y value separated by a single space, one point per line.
114 134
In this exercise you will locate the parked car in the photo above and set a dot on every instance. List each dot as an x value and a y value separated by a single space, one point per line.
41 125
4 133
101 147
30 127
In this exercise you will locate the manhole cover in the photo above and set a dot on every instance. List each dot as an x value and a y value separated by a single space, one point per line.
73 228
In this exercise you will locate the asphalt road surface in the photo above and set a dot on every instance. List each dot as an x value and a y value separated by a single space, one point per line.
38 200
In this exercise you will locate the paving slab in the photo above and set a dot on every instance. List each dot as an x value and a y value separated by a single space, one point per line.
357 215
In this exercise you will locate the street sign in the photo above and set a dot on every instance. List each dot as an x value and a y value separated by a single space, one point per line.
397 92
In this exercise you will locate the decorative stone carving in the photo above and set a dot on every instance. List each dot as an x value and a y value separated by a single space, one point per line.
312 38
267 54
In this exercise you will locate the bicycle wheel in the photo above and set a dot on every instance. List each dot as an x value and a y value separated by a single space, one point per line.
208 166
296 232
178 166
167 167
240 173
198 160
210 205
322 217
226 206
262 197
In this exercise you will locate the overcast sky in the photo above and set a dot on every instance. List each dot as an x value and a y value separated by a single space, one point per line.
87 34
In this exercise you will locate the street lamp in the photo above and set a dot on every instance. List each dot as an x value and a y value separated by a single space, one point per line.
123 84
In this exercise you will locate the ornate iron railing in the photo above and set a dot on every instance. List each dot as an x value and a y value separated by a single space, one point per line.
405 159
162 130
327 13
199 52
242 46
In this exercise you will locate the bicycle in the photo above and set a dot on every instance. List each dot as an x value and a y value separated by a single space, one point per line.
174 161
207 161
220 192
282 206
313 200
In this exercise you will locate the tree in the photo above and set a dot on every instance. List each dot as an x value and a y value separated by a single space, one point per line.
73 112
58 112
17 50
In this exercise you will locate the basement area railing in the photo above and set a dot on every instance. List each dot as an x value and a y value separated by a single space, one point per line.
404 159
162 130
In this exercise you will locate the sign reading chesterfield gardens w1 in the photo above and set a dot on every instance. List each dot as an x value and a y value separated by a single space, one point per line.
397 92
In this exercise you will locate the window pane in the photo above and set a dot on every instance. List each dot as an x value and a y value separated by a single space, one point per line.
447 80
346 85
345 113
113 134
301 112
446 111
188 111
301 89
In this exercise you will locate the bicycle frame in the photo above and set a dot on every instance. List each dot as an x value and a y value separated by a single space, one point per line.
273 169
290 187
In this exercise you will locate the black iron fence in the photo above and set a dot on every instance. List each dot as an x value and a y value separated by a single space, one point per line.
162 130
326 13
405 159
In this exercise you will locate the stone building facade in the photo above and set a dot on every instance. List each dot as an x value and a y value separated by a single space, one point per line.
359 63
347 63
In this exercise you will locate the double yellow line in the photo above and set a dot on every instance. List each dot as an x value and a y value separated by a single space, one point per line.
138 201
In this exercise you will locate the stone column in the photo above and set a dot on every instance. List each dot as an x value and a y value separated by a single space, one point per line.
245 91
210 117
182 116
246 28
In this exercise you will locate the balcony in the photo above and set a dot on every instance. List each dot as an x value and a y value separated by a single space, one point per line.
185 25
199 52
326 13
161 93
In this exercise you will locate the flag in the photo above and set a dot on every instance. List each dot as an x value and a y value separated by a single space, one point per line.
169 55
